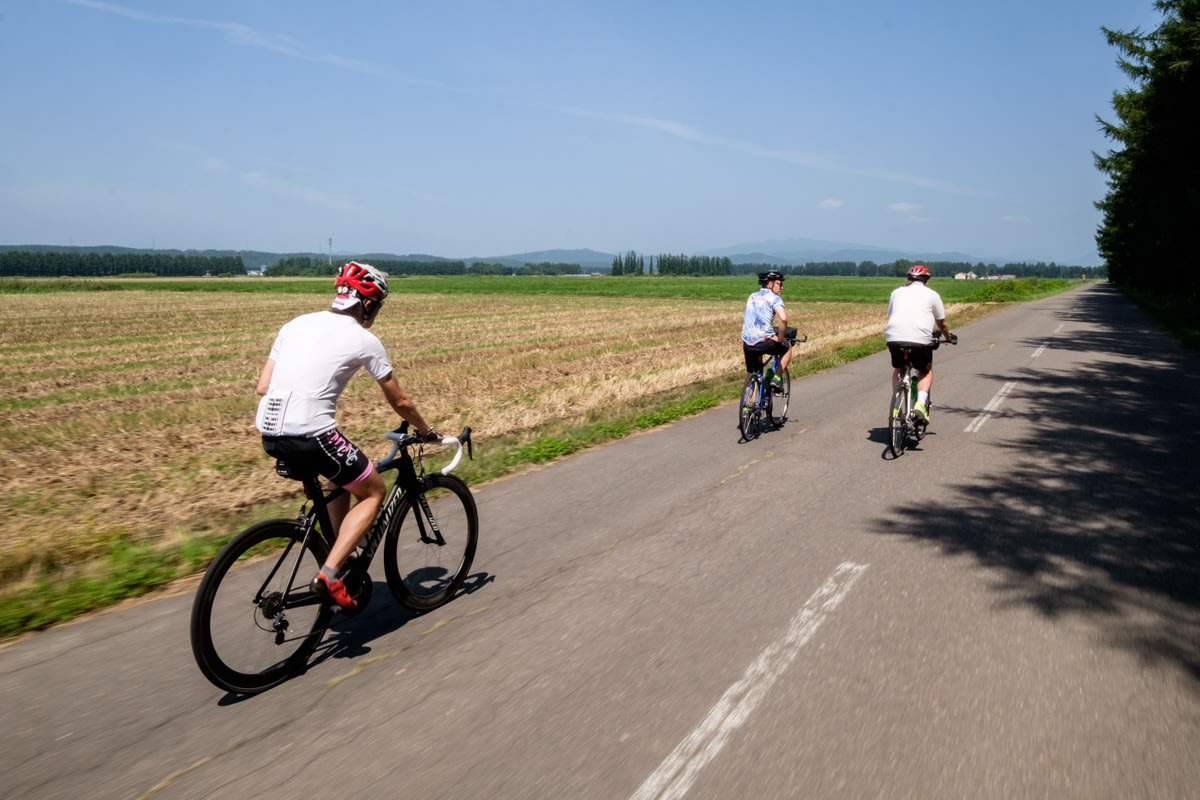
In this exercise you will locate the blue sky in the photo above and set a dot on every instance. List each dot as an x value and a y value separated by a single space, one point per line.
466 129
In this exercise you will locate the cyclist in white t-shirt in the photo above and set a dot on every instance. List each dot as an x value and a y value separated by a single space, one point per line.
914 310
313 358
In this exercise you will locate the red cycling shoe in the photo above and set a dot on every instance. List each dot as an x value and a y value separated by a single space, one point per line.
333 591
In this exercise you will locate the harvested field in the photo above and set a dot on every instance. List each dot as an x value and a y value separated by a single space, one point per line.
128 415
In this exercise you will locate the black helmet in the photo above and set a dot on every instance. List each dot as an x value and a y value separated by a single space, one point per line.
770 275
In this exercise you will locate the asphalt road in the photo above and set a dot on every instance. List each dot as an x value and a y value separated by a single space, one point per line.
1010 610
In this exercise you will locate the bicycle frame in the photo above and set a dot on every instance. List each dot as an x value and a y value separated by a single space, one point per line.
407 480
774 359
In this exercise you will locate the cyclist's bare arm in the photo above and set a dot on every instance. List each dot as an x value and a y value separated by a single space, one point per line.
403 404
781 313
264 377
941 323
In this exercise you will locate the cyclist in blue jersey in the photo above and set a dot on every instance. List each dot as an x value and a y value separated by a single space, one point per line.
759 335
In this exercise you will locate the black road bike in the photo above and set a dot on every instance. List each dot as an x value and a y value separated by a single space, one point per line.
256 621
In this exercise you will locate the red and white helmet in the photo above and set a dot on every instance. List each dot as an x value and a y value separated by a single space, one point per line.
359 282
918 272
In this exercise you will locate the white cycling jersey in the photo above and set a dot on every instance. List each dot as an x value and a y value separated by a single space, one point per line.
913 311
315 356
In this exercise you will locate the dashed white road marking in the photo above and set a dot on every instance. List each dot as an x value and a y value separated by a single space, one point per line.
676 774
977 423
1040 350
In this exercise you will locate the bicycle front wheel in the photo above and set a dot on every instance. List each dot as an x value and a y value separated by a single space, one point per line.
749 412
255 621
430 543
897 419
780 396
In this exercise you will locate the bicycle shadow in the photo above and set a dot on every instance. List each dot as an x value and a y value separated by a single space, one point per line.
767 426
1096 520
883 436
351 637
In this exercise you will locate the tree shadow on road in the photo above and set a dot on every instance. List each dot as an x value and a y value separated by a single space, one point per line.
1098 517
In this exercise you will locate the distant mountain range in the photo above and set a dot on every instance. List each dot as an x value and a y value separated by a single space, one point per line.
774 251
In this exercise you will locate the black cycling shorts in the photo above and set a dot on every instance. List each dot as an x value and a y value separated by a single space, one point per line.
919 355
755 352
329 454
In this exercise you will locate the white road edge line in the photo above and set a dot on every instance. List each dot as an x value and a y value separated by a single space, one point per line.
977 423
1040 350
676 774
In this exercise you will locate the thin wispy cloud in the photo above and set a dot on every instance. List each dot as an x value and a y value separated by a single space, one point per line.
795 157
830 204
910 211
245 36
306 195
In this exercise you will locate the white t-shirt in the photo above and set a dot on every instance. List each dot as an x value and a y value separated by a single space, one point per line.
913 311
315 356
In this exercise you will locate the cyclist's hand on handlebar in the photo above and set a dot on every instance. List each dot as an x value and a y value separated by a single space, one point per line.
432 436
954 338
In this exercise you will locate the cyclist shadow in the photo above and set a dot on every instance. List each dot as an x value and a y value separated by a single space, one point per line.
766 427
883 436
351 637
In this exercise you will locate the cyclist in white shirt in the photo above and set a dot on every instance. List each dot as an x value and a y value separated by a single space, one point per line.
914 310
311 361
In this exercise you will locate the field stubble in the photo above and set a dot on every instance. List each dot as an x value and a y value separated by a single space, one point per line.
129 416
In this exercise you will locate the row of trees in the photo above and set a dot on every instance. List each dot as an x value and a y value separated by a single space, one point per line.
540 268
76 264
310 267
633 264
939 269
51 264
1153 200
304 266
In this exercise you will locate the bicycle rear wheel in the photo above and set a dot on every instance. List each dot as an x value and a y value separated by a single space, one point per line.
429 545
254 620
780 398
749 413
898 419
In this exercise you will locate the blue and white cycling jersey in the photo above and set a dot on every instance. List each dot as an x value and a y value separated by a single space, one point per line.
758 322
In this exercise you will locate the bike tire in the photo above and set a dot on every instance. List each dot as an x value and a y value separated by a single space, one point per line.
255 623
897 419
421 573
780 400
749 413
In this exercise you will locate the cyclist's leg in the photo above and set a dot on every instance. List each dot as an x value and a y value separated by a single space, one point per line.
925 381
347 466
369 493
898 359
923 361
